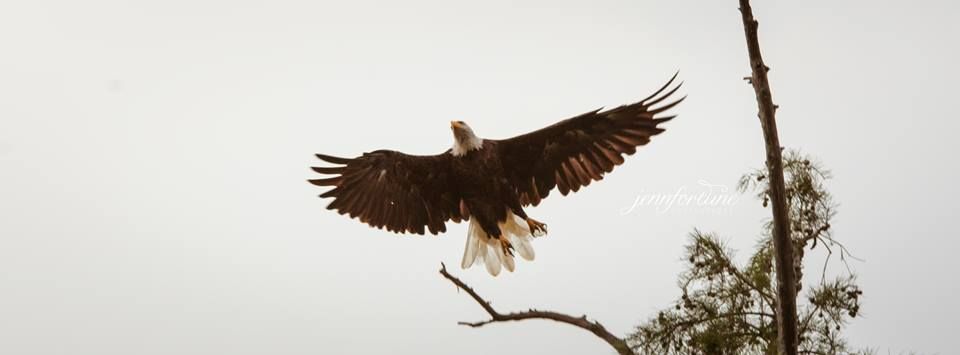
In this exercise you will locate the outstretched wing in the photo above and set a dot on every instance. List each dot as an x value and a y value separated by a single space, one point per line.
387 189
572 153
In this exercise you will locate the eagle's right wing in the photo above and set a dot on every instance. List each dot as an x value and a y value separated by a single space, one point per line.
387 189
573 152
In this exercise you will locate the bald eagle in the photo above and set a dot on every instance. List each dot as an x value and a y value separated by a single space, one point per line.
488 181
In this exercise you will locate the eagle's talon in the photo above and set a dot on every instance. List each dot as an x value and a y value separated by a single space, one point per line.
537 229
507 247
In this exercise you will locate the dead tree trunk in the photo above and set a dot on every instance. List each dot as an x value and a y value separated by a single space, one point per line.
783 246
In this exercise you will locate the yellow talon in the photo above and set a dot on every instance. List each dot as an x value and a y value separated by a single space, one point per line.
536 228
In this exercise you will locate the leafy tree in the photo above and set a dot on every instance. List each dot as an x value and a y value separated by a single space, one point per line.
726 308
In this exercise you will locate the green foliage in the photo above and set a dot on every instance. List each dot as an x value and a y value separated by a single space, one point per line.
725 308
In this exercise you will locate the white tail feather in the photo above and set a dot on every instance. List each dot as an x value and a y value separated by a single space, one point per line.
491 260
472 249
507 260
489 251
524 248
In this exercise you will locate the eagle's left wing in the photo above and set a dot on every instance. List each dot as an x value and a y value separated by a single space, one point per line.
387 189
572 153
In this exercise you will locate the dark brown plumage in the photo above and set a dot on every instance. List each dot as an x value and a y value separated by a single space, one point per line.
572 153
392 190
487 180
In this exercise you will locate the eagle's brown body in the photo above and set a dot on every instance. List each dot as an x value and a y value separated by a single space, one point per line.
486 193
489 182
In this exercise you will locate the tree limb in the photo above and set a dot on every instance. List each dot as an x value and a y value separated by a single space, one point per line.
594 327
783 246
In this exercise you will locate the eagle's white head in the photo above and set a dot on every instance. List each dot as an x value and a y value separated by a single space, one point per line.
464 140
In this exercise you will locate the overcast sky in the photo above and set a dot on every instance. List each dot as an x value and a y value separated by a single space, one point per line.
152 193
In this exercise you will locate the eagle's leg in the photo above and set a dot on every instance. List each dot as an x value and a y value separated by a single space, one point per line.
537 228
505 244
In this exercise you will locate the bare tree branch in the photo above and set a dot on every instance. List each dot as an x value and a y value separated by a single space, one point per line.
594 327
783 246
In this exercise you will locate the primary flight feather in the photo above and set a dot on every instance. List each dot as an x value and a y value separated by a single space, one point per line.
489 182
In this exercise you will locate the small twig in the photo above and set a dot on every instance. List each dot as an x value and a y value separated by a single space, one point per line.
823 275
806 321
718 254
581 322
828 241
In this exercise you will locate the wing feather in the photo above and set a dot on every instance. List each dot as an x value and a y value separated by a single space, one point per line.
572 153
333 159
391 190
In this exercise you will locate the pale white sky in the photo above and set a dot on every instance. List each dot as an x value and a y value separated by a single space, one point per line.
152 193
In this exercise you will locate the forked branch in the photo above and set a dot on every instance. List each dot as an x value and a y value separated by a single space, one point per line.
581 322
